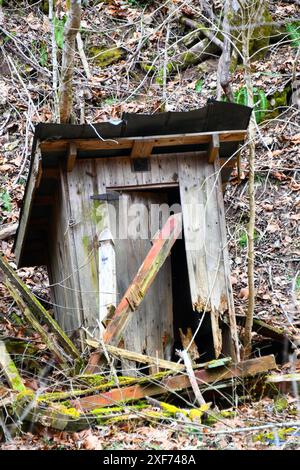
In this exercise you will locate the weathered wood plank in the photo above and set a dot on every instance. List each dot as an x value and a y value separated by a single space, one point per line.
38 310
63 269
80 184
71 156
158 141
206 245
144 278
8 230
137 357
153 319
214 148
141 149
176 383
107 274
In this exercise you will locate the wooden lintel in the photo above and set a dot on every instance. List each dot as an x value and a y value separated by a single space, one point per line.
178 382
145 276
158 141
214 147
141 149
71 156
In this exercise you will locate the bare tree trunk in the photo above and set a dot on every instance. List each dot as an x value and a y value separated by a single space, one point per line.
55 73
224 62
71 28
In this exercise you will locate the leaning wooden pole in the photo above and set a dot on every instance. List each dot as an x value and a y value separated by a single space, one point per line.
38 310
134 295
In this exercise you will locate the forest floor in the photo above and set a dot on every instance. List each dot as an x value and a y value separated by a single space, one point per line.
26 98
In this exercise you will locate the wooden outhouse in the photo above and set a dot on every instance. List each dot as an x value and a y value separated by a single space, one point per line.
96 196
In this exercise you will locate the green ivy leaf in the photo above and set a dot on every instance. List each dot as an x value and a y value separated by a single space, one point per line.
5 201
198 85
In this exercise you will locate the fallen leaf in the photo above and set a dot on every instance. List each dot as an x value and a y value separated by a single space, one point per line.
244 293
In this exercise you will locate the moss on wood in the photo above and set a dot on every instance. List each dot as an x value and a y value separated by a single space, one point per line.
103 56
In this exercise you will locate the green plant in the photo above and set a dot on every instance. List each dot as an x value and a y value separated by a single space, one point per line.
261 104
110 101
293 30
5 201
59 25
198 85
243 240
139 3
259 179
43 55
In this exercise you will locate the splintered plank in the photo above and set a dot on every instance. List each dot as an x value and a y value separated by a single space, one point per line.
38 310
204 377
7 366
206 244
145 276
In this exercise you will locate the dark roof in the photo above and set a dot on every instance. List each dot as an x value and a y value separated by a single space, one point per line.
215 117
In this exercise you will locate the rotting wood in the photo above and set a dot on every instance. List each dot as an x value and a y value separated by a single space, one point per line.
283 378
71 156
285 383
54 415
206 244
268 331
214 148
188 343
50 343
145 276
38 310
9 370
179 382
127 142
141 358
8 230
